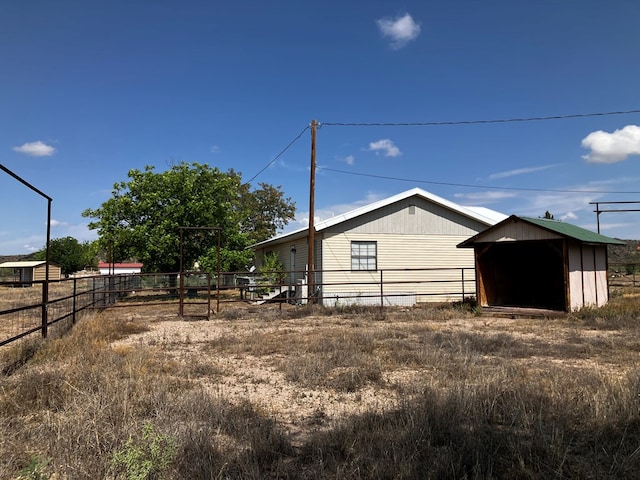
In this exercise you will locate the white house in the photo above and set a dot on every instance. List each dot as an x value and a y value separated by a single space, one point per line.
408 240
107 268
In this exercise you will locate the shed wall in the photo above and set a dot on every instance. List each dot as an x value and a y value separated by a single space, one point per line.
587 275
39 272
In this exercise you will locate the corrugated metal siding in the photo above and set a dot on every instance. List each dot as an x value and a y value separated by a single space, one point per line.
518 230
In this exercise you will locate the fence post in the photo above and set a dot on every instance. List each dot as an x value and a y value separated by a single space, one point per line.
45 320
381 291
462 270
73 315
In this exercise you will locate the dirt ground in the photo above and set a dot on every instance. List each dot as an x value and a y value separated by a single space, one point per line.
246 354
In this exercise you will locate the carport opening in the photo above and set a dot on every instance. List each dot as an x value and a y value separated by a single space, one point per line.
523 274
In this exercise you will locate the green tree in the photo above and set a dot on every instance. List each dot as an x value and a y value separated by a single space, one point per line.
142 218
67 252
548 215
265 211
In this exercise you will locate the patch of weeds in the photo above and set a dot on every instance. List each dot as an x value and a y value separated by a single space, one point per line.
145 459
36 469
232 314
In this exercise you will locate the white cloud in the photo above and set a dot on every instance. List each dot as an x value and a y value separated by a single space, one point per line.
58 223
612 147
400 30
215 149
386 146
519 171
568 216
349 159
35 149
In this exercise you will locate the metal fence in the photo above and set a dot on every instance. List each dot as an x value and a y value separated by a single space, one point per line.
35 306
624 274
27 308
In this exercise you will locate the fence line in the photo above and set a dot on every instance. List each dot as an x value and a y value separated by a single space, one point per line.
25 311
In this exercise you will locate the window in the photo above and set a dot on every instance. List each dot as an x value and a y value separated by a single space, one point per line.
363 255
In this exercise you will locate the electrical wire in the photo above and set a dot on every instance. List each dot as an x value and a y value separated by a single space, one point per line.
280 154
447 184
444 123
478 122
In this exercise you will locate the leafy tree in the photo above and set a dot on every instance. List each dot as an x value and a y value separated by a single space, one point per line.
548 215
67 252
265 211
142 218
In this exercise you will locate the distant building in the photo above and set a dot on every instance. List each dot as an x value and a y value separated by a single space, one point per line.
119 268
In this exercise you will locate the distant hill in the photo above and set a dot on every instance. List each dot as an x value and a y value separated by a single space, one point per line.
14 258
627 253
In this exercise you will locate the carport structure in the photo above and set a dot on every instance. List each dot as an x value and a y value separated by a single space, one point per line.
539 263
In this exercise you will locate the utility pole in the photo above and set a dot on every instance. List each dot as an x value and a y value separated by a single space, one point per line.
312 228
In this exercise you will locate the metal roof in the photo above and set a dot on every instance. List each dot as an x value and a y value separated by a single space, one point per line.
24 264
572 231
120 265
561 228
480 214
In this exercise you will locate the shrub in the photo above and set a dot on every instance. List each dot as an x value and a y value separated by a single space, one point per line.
145 459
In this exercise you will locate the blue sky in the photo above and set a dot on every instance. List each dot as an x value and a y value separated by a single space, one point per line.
87 93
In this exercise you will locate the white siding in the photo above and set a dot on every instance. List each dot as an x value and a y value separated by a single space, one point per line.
397 257
300 258
427 219
587 276
576 293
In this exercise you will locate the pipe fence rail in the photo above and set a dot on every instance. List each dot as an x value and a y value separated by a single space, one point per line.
25 308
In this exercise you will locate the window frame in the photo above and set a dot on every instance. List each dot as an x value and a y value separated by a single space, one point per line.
363 259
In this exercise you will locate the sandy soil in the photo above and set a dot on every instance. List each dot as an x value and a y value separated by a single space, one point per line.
244 375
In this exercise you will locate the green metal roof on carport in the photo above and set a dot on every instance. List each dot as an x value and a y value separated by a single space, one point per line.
561 228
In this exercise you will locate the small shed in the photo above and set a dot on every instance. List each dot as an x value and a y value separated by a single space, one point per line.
540 263
33 270
107 268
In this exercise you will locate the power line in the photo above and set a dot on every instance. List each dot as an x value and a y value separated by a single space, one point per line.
478 122
444 123
448 184
280 154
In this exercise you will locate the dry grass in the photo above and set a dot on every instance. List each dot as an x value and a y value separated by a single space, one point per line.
264 392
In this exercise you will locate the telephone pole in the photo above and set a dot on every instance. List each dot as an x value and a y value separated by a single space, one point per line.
312 228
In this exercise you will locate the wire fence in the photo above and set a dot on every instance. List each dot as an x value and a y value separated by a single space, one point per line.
26 310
